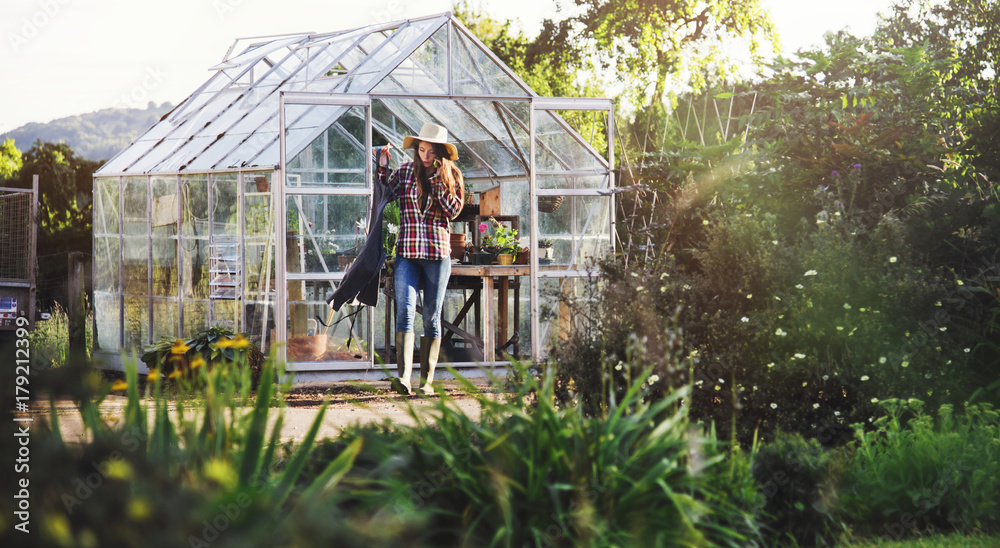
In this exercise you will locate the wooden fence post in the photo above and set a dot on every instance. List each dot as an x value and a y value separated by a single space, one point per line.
75 307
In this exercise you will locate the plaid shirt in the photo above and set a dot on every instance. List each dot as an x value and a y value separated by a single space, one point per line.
425 233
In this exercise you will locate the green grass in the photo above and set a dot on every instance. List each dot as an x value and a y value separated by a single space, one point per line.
937 541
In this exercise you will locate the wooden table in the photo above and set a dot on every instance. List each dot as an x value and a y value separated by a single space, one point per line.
495 320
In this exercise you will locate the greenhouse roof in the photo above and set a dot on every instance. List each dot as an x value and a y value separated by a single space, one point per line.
232 121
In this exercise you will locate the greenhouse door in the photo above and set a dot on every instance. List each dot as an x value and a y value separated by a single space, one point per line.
572 187
327 195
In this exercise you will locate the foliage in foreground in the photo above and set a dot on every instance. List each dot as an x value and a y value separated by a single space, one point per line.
528 471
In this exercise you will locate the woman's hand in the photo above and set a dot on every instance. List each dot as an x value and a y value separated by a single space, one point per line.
383 156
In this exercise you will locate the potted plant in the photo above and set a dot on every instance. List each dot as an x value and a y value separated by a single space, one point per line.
545 250
503 240
523 256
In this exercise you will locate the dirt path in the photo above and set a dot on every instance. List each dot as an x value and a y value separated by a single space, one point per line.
349 404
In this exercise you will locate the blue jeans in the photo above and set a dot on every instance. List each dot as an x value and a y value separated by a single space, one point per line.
409 276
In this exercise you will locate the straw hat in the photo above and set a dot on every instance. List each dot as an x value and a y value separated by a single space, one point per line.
432 133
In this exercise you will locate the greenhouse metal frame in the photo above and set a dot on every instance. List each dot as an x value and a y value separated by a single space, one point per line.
187 235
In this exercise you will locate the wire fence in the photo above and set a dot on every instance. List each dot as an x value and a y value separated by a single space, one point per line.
15 235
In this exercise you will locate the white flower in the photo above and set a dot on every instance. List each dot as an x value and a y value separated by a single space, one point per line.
749 295
864 378
815 406
770 365
393 229
892 259
959 282
943 329
881 359
704 222
663 289
967 350
774 406
937 303
840 328
847 306
722 381
654 379
777 298
664 275
619 366
905 364
826 377
800 355
686 287
775 242
744 319
874 400
836 413
810 273
640 288
799 286
780 332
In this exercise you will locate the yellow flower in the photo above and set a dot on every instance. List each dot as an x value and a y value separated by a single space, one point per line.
119 385
153 375
176 373
179 347
224 343
240 342
197 362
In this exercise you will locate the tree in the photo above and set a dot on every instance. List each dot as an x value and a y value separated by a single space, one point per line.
647 41
10 160
65 186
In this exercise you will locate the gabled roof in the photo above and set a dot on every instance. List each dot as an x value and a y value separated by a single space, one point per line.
231 121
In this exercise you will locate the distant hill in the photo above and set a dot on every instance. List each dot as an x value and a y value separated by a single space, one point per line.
95 136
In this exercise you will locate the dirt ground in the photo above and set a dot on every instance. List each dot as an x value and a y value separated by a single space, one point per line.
350 403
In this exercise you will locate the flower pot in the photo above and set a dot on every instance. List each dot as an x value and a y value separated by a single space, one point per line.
523 257
505 259
263 185
480 258
457 246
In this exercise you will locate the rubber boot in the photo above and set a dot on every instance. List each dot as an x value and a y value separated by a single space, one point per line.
404 361
430 349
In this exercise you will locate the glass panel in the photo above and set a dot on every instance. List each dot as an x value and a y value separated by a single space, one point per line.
165 212
127 157
135 280
225 314
196 275
325 233
135 215
558 149
378 59
572 181
106 206
225 203
555 318
194 212
423 71
579 230
164 318
589 125
316 333
195 317
136 323
107 306
490 75
106 263
259 322
336 156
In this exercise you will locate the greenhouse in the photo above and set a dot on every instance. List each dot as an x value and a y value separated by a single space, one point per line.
244 206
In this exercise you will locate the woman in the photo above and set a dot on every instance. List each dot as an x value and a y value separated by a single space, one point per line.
430 191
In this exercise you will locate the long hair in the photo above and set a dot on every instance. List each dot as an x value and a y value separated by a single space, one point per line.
451 176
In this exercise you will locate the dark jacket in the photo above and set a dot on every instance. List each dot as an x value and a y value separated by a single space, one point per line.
362 280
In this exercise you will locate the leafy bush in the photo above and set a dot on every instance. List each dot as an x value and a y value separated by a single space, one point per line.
533 472
175 358
916 473
799 480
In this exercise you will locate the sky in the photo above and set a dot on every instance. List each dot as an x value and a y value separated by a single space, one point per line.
66 57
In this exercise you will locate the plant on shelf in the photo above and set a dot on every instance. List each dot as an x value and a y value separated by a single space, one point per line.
545 249
503 239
